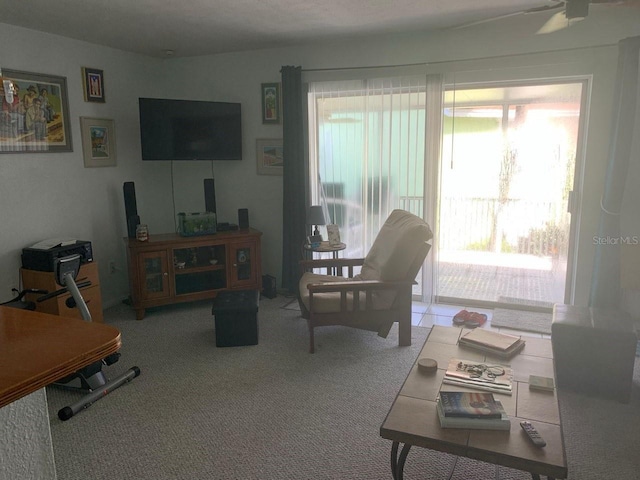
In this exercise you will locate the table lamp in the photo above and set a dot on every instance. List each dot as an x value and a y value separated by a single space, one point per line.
315 217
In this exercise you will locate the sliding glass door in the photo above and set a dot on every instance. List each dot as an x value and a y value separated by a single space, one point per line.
490 167
507 175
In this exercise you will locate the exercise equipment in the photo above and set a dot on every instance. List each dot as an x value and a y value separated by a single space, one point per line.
90 378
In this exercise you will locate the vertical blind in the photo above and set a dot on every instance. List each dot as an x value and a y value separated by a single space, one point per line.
368 152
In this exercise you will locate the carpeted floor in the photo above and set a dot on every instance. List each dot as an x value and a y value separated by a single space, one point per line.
273 411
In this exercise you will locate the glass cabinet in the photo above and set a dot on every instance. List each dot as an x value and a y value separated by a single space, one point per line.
169 268
198 269
154 273
243 264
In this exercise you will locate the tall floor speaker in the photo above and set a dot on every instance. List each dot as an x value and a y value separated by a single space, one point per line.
243 218
209 195
131 208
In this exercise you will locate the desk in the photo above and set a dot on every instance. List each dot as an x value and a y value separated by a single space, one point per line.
413 420
36 349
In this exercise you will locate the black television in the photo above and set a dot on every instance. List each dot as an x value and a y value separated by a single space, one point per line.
190 130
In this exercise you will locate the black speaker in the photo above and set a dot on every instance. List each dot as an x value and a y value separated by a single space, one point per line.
269 288
243 218
209 195
131 208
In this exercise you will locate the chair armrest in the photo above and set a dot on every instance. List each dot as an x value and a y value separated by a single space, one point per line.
361 285
368 287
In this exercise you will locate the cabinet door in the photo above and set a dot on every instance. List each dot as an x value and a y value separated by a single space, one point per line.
154 275
243 264
199 269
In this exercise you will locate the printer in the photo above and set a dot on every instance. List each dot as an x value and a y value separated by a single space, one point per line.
42 255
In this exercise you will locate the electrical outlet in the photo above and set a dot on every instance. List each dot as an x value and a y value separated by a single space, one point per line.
112 266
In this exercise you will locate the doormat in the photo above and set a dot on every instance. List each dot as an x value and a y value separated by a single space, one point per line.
525 301
539 322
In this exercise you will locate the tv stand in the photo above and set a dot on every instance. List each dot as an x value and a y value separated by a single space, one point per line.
169 268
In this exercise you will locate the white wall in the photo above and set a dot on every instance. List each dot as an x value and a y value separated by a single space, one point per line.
26 451
45 195
51 194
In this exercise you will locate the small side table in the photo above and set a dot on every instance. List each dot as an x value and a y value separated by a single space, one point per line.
326 248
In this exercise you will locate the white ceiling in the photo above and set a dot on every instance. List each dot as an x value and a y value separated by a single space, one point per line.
201 27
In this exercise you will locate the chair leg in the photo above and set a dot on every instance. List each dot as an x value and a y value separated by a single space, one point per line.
404 320
404 331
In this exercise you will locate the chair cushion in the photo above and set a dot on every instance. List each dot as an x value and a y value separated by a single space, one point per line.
394 250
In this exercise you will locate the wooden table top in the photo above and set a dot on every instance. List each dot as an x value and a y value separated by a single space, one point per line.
413 419
36 349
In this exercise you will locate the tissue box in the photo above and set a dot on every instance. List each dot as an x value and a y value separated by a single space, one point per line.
192 224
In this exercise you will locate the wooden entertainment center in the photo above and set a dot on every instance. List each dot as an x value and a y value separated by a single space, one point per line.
169 268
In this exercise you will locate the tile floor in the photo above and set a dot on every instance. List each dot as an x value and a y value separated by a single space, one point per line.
425 315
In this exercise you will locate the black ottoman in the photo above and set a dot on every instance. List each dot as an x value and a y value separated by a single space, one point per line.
594 350
236 318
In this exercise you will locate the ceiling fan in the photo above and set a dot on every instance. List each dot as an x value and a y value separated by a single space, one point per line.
568 13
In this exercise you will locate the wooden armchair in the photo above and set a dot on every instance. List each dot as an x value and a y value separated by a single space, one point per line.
380 294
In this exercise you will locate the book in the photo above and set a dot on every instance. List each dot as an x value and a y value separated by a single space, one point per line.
470 405
537 382
488 377
502 423
501 345
502 354
491 339
478 386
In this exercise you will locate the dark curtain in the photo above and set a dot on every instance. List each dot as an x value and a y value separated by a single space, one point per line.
605 282
294 181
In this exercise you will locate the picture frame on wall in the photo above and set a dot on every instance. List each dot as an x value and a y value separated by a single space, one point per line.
271 108
270 160
37 119
93 85
98 142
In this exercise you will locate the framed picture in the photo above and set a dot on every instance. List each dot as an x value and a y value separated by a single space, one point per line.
333 235
269 156
37 119
98 142
93 85
271 103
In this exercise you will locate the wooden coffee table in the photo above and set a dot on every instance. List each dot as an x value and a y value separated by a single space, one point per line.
413 421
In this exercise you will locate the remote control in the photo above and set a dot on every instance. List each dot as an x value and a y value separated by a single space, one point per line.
533 434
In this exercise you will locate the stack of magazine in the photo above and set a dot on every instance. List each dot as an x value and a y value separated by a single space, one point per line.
498 344
490 377
471 410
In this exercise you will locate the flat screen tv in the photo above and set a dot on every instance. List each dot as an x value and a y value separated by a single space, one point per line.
190 130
